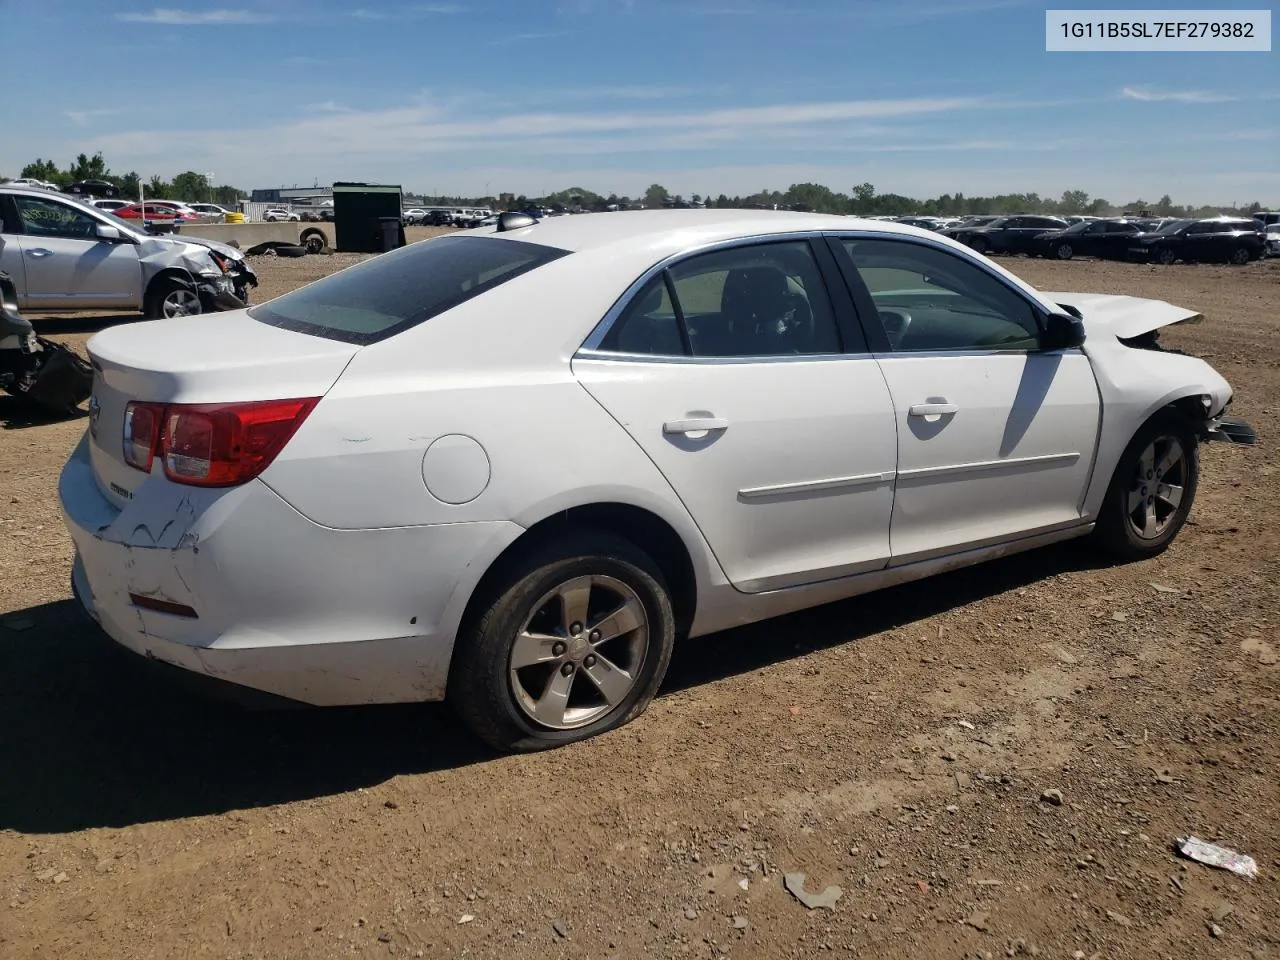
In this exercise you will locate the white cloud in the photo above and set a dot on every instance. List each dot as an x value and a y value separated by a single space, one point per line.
412 12
1148 95
83 117
191 18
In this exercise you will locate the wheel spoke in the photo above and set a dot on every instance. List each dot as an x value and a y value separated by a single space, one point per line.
1171 458
551 706
1149 524
532 648
1147 462
1170 494
575 597
612 681
628 617
1136 500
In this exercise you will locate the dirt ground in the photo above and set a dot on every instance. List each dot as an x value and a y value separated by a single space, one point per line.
901 746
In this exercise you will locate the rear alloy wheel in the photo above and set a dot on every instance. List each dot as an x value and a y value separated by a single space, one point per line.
1240 256
1064 251
573 641
1152 490
1166 255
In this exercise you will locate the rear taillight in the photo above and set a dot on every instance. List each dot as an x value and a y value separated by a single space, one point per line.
142 433
212 444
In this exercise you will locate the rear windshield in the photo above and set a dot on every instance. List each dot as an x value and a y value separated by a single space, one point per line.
397 290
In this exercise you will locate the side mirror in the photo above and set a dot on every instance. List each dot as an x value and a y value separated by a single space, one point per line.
1063 332
104 231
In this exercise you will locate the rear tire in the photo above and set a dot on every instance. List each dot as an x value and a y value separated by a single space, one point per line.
979 245
1166 255
1063 251
1152 489
591 580
1240 256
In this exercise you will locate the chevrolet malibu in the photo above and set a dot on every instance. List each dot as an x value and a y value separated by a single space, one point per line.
514 467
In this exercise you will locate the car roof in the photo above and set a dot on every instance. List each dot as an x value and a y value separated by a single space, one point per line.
673 230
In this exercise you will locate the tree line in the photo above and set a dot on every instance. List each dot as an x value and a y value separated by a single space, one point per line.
188 187
193 187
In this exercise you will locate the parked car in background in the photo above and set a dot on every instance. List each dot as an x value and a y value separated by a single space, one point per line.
905 407
413 216
1108 239
109 205
163 212
279 214
210 210
1221 239
64 254
31 182
1006 234
1267 217
1273 239
439 218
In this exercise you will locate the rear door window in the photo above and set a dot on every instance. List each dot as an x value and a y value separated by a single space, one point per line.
394 291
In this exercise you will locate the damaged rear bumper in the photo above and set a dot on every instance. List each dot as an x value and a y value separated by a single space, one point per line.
277 602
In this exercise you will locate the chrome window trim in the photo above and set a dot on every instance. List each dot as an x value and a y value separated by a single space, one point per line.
586 353
601 329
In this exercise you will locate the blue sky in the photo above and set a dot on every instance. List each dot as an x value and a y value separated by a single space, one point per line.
474 96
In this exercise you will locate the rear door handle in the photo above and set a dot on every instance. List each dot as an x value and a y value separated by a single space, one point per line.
932 409
695 425
40 252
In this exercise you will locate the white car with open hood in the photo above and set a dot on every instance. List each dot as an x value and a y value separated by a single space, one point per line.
513 467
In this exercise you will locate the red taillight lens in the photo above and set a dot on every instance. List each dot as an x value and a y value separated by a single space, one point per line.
142 433
220 444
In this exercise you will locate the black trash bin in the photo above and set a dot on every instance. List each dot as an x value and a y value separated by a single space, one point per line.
390 233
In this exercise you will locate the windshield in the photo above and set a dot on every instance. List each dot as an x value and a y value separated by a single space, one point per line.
1173 226
380 297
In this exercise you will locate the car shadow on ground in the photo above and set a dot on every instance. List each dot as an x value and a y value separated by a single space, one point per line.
17 413
94 736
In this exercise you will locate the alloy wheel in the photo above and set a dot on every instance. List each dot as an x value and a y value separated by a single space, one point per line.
1240 256
1065 251
180 303
579 653
1155 494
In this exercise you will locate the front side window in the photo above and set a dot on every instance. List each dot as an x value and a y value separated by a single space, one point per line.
394 291
48 218
752 301
928 299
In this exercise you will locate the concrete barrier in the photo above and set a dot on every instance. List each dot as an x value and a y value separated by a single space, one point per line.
244 236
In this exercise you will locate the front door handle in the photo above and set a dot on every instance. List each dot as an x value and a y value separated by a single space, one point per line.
933 409
695 425
40 252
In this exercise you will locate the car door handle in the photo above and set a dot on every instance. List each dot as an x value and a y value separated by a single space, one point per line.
695 425
932 409
40 252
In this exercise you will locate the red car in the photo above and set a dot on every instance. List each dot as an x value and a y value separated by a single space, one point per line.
158 210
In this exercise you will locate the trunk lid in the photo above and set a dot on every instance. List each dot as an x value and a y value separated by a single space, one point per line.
215 358
1123 317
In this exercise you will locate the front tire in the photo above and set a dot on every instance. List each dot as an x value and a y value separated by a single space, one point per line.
1152 489
1167 255
571 640
171 297
1064 251
979 245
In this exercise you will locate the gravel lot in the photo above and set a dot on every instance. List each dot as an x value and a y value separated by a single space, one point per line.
897 745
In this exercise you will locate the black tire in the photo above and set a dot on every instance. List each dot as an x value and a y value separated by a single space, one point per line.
1063 251
1115 530
290 250
481 688
1240 256
978 245
160 290
313 241
1166 255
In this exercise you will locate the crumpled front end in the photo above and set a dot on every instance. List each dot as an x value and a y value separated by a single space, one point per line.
219 275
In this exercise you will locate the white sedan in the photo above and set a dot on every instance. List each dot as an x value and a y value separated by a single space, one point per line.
512 467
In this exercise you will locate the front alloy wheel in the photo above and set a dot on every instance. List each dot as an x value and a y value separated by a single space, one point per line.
180 303
1064 251
1152 489
566 640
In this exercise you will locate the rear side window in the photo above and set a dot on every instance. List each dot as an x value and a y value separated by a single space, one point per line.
398 290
